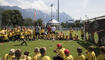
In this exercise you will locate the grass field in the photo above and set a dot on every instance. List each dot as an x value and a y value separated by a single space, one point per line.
50 45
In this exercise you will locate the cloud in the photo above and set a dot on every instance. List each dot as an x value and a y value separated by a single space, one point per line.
4 3
85 3
25 4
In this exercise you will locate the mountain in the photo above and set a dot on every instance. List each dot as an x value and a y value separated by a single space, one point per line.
29 13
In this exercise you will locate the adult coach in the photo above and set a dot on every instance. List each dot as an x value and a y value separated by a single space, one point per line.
37 30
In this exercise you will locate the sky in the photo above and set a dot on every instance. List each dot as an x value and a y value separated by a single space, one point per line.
77 9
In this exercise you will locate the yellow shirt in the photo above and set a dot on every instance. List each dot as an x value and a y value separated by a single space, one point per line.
61 52
44 58
91 56
5 37
81 31
13 33
17 32
42 31
22 35
71 31
70 57
10 34
36 56
28 58
101 57
82 57
8 57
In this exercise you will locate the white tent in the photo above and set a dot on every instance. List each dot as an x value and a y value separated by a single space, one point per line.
53 22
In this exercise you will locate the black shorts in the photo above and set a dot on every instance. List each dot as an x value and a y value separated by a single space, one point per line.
1 38
17 36
42 33
82 35
53 32
37 33
57 58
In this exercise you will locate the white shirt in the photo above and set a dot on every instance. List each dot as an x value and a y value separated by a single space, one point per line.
53 29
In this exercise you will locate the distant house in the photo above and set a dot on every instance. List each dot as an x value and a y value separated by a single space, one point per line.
70 21
54 22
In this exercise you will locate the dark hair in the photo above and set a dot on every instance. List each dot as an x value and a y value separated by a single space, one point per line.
42 50
36 49
18 53
79 50
26 53
102 49
91 48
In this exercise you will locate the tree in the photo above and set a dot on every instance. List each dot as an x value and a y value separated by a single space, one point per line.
39 22
77 23
28 22
63 24
11 18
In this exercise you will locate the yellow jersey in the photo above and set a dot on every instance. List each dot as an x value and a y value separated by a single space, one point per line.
42 31
44 58
22 35
5 37
10 34
81 57
8 57
28 58
71 31
70 57
91 55
60 52
36 56
101 57
17 32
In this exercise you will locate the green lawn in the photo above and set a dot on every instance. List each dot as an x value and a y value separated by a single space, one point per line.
50 45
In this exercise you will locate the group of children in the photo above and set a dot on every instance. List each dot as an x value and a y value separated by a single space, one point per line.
61 54
23 33
9 34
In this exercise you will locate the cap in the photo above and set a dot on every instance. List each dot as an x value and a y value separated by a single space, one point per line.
66 51
59 45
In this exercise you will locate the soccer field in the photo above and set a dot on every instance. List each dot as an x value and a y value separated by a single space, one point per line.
50 45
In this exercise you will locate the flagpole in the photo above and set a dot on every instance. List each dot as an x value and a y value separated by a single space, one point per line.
35 14
58 10
51 10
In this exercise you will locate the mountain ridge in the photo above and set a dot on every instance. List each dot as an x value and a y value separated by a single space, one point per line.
29 13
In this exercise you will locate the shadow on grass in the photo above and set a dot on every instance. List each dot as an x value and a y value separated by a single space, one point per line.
19 45
86 44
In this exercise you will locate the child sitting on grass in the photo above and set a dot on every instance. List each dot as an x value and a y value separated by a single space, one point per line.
90 53
102 53
80 56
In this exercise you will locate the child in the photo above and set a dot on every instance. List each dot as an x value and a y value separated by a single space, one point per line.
68 56
60 52
22 37
102 53
26 56
67 37
43 55
10 56
75 37
70 34
36 54
91 54
80 56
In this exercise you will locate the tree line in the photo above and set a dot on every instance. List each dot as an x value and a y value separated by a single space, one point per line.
15 18
77 23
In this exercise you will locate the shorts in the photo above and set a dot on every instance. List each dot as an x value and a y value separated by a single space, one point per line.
42 33
57 58
37 33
